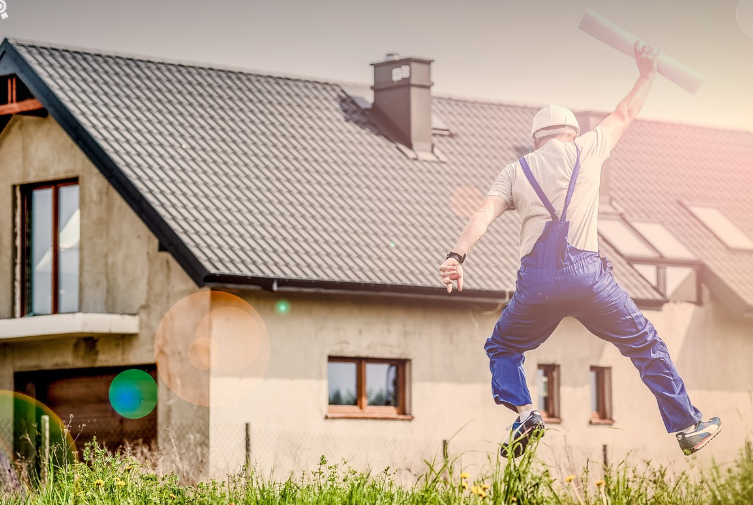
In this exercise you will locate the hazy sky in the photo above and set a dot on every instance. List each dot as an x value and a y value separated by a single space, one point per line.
528 52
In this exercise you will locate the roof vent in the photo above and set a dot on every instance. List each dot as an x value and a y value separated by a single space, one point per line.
392 57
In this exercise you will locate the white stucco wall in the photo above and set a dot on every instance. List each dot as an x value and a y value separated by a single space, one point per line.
450 387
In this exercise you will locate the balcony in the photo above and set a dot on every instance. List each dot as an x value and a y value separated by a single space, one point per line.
77 324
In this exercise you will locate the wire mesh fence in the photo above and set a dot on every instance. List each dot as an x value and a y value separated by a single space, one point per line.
197 451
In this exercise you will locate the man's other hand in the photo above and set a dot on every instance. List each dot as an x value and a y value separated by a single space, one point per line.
450 271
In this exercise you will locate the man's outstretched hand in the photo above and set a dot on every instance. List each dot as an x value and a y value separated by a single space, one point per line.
450 271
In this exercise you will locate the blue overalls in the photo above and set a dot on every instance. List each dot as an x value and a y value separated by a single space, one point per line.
556 280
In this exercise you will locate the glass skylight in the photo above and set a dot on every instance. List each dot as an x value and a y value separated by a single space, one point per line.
625 239
721 226
663 240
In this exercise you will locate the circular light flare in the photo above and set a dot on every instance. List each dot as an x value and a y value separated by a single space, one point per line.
133 394
465 200
228 348
204 353
282 307
744 15
27 412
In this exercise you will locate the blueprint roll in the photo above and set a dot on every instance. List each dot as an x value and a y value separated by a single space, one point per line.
611 34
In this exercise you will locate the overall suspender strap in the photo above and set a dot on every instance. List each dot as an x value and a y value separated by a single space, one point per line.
540 192
571 187
537 189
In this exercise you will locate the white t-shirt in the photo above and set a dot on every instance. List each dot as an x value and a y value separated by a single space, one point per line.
552 166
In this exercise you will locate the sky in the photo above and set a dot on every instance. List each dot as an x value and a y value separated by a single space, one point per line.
520 52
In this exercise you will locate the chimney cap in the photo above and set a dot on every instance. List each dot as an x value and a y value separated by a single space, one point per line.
397 57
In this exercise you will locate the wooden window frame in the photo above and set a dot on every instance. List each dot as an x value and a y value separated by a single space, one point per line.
603 414
25 243
364 411
552 373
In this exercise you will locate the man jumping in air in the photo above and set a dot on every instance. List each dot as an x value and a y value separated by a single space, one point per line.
561 272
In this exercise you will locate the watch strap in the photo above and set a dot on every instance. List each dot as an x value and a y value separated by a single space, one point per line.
460 259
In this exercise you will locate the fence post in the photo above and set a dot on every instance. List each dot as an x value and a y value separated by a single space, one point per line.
45 450
248 449
605 455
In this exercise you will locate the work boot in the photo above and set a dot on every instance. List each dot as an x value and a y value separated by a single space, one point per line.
521 433
693 441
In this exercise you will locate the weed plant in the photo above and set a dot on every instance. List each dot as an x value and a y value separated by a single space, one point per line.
105 478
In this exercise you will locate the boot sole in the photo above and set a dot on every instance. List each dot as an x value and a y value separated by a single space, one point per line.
521 443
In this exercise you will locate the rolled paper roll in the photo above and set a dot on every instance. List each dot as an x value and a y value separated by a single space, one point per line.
624 41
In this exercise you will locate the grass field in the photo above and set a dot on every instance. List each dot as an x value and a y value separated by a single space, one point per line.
106 478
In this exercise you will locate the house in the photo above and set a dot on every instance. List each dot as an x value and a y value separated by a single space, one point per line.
265 250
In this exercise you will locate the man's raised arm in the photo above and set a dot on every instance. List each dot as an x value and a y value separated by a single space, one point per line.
616 123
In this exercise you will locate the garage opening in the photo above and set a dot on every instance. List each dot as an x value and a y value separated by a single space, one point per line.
81 399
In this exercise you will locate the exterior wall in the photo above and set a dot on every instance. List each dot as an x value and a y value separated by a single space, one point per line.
122 272
450 386
121 269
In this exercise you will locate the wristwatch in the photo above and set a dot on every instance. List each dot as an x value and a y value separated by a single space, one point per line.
460 259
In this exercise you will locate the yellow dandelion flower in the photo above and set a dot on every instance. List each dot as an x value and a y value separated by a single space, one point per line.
513 499
119 483
465 485
599 483
475 490
486 487
128 468
465 475
569 479
482 493
173 496
99 483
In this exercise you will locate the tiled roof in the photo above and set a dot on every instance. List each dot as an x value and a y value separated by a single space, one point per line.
247 177
657 166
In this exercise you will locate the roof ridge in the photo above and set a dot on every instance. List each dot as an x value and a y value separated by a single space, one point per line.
171 62
342 84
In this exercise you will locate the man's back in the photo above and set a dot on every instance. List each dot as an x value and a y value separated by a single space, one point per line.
552 166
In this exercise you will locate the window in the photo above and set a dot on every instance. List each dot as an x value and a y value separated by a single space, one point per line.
663 240
657 254
601 395
548 387
367 388
51 231
721 226
625 239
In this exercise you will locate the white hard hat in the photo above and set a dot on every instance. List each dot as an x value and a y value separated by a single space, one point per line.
554 115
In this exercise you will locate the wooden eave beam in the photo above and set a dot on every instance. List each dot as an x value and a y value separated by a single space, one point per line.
22 106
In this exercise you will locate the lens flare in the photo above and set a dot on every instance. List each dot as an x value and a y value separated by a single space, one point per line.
744 15
20 431
212 348
282 307
133 394
465 200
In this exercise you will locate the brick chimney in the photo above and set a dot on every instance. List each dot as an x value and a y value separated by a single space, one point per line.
402 99
589 120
